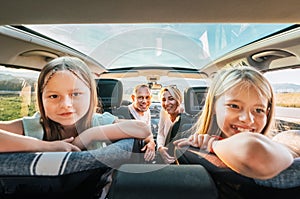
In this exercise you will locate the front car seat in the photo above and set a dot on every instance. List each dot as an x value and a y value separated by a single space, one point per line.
110 93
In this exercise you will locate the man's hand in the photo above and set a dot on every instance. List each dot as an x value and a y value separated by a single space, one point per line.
150 150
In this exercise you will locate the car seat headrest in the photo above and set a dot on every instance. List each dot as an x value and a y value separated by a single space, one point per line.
110 92
194 99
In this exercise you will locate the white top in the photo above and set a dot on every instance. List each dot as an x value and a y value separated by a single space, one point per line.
146 117
164 127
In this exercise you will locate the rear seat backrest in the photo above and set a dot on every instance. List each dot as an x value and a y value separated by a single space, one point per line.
194 99
149 181
110 92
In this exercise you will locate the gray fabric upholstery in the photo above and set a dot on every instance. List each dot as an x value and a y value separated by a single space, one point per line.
61 174
162 181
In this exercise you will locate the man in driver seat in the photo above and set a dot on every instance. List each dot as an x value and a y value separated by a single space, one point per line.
139 110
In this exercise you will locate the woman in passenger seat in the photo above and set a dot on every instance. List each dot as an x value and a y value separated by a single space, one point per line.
67 118
236 125
170 117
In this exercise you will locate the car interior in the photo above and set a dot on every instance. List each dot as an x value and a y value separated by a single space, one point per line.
123 175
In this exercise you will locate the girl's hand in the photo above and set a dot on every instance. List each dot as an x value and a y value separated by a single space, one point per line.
202 141
78 142
165 156
63 145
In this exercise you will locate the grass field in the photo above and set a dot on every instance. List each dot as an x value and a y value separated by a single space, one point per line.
288 99
11 107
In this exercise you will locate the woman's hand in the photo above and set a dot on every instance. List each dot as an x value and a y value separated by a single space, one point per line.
165 156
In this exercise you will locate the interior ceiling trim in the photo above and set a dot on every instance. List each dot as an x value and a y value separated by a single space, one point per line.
143 11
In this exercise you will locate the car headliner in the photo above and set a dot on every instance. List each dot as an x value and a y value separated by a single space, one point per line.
144 11
133 11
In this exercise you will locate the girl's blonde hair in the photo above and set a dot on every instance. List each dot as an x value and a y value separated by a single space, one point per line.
81 71
224 80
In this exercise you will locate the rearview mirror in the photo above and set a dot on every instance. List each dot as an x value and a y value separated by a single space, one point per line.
155 86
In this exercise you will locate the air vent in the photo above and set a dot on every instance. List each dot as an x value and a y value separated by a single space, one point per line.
41 53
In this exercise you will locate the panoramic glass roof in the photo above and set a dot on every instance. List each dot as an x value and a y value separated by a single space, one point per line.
174 45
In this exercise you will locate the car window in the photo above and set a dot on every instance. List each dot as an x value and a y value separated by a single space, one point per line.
286 84
181 84
188 45
17 92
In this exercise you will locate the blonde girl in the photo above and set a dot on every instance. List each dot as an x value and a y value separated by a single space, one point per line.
236 123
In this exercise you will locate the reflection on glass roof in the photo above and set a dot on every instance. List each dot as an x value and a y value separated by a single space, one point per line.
174 45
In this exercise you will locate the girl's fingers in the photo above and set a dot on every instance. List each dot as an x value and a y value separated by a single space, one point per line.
206 139
202 141
182 142
199 140
70 139
178 141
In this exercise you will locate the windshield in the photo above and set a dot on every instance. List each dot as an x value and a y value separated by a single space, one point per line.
174 45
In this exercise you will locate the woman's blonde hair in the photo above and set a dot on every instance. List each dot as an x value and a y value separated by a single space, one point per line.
224 80
81 71
174 91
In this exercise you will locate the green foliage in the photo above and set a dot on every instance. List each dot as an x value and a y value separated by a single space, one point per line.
10 85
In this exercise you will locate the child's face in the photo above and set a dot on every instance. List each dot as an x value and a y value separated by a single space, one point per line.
241 109
66 98
169 103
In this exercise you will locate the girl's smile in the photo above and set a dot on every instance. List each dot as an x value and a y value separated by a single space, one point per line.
242 129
